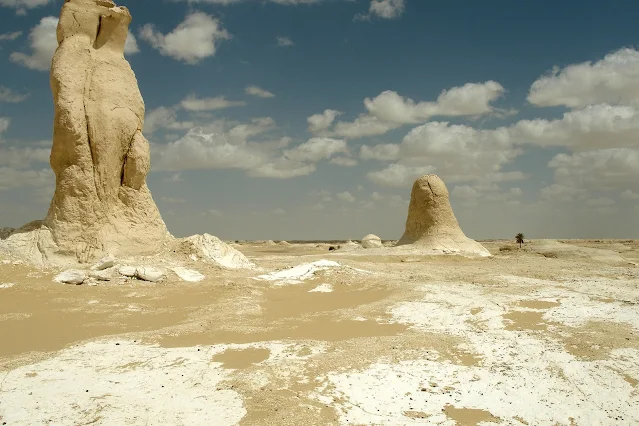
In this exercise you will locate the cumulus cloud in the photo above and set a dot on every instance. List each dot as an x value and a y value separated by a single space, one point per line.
346 197
4 124
259 92
11 177
193 40
284 41
457 152
200 150
10 36
22 5
131 45
43 43
613 80
398 175
316 149
319 122
389 110
9 96
381 152
385 9
344 161
193 103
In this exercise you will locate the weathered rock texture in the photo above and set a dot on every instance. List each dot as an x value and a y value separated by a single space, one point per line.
431 224
99 155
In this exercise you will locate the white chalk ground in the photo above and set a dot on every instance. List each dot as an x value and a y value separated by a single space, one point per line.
322 288
7 285
116 382
521 377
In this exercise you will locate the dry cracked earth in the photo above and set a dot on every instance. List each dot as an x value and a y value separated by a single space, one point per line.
521 338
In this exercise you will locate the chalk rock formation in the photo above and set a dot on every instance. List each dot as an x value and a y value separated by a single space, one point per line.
212 249
371 241
431 225
100 157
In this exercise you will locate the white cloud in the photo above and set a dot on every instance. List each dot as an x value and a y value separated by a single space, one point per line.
346 197
597 126
259 92
389 110
320 122
9 96
630 195
283 169
23 4
131 45
193 103
193 40
175 177
200 150
164 118
215 212
240 133
10 36
4 124
14 178
456 152
613 80
603 170
43 43
600 202
398 175
381 152
284 41
171 200
344 161
23 157
278 212
385 9
316 149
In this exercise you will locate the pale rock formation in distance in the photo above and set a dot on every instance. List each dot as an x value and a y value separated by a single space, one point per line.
431 226
371 241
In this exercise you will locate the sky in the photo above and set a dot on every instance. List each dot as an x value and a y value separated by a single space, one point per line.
311 119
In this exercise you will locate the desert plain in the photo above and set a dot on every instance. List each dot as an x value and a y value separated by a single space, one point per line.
542 335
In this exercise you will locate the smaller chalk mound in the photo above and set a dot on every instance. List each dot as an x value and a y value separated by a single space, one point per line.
371 241
210 248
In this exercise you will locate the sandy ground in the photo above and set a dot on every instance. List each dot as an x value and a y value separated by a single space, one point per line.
522 338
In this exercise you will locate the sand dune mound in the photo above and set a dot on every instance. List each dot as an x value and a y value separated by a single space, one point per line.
557 249
431 226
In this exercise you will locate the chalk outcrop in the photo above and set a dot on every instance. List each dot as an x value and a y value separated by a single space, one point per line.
371 241
100 157
431 225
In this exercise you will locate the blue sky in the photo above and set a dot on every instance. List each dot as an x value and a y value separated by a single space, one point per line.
302 119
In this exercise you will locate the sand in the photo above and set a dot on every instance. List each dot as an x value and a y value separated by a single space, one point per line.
331 338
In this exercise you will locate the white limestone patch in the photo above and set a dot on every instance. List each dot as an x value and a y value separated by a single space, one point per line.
120 384
299 273
7 285
322 288
305 271
189 275
521 375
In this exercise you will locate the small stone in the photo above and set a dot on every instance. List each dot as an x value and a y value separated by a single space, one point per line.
149 273
104 263
127 271
71 276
